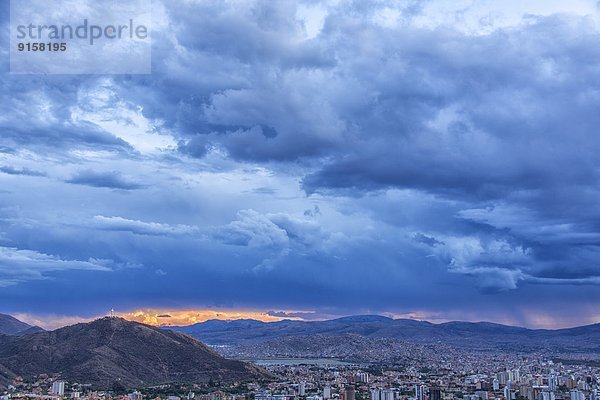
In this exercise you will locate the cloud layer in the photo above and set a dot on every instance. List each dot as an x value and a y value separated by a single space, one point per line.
338 157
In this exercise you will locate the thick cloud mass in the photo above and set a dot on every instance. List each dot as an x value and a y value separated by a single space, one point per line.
417 158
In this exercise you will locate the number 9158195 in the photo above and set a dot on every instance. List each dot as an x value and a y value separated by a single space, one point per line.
42 47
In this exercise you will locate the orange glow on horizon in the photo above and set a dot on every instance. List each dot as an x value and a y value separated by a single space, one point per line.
169 317
190 317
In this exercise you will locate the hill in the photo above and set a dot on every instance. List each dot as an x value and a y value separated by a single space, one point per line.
12 326
468 335
111 349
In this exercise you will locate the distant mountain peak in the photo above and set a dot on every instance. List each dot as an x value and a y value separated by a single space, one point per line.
9 325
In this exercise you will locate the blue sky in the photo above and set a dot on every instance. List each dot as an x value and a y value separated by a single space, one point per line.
435 159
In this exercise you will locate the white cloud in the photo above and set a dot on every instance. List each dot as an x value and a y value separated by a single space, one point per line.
254 230
141 227
485 16
18 265
99 104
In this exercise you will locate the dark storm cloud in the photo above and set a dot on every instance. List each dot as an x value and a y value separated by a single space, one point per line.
38 118
20 171
52 136
428 240
473 117
111 180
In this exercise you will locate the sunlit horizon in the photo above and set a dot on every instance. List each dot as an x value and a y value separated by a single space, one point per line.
174 317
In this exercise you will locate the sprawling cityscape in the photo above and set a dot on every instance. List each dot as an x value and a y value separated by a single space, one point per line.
470 378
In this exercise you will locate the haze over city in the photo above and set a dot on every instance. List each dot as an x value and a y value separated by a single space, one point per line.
435 160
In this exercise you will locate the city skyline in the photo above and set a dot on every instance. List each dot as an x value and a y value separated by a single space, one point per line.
313 159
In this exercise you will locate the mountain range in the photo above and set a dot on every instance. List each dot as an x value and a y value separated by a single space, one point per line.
137 355
113 349
468 335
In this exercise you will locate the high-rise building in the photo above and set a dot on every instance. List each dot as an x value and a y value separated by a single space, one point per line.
387 394
577 395
302 389
547 395
350 393
515 375
420 392
327 392
58 388
496 384
481 394
382 394
502 377
435 394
